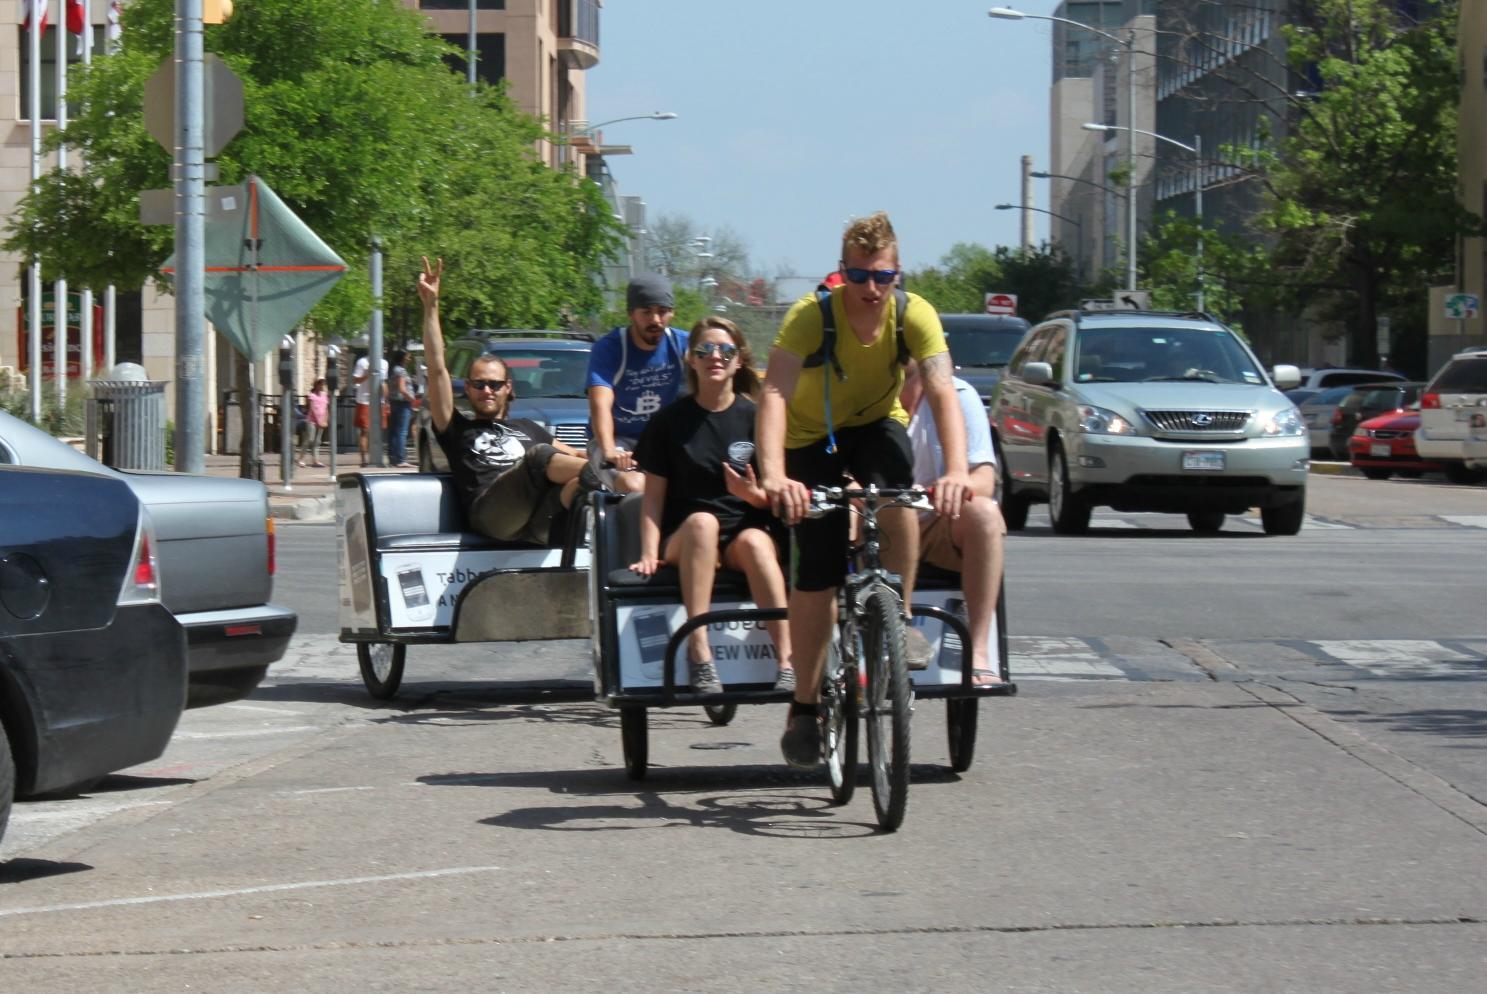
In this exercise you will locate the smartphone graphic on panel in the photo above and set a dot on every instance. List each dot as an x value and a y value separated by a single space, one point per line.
415 594
652 632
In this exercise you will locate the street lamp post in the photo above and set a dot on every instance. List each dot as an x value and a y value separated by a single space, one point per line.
1196 148
1078 227
660 115
1129 44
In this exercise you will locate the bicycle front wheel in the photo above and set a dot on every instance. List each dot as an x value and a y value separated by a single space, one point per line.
887 705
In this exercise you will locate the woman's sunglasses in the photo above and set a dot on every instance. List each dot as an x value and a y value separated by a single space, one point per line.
725 351
485 384
881 277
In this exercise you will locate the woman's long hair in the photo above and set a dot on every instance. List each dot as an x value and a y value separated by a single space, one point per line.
746 381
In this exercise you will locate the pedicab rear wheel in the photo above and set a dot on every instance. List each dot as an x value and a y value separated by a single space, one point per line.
960 724
720 714
381 665
635 738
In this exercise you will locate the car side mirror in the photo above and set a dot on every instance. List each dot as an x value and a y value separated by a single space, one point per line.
1286 376
1039 374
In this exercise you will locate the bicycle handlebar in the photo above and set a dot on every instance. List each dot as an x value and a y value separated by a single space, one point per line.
827 499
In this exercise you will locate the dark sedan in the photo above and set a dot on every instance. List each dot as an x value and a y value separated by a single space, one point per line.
980 345
216 553
92 665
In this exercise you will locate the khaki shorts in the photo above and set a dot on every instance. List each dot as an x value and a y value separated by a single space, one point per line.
936 547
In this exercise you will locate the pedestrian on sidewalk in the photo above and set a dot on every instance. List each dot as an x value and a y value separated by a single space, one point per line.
318 419
400 398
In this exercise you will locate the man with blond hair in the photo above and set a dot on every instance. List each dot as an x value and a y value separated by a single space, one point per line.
808 437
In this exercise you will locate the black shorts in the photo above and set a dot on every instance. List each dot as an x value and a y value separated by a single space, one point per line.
878 453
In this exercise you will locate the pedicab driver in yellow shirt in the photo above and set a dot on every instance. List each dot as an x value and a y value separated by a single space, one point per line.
800 445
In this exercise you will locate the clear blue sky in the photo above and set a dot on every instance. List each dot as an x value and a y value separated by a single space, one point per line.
798 114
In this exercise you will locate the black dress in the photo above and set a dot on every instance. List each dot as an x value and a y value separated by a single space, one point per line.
687 445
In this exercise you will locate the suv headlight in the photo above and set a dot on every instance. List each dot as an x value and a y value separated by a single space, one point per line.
1099 421
1287 422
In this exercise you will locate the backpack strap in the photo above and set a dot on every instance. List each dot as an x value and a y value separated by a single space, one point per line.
827 348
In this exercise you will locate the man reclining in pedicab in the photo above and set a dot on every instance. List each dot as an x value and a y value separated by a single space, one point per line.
514 480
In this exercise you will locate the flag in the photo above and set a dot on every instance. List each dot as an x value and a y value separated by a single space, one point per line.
28 7
77 17
115 26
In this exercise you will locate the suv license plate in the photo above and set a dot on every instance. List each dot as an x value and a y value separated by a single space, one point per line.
1208 462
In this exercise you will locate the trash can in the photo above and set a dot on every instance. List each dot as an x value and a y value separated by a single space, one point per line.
126 419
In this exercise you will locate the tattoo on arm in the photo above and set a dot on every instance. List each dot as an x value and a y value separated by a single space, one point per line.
936 369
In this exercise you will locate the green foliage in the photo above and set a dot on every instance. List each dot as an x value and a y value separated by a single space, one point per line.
353 118
1232 268
63 420
1043 279
1361 195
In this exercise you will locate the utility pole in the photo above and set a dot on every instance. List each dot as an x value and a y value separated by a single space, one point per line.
190 281
1027 203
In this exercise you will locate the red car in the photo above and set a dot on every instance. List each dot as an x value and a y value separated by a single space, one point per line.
1385 445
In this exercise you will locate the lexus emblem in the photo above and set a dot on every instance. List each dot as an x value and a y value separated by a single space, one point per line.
1202 420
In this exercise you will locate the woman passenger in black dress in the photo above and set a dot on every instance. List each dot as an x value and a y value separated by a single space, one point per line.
703 506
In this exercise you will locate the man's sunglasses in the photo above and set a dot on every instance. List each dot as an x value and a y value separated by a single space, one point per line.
882 277
724 350
485 384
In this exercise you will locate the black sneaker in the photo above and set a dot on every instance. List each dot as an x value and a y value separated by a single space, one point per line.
703 677
801 743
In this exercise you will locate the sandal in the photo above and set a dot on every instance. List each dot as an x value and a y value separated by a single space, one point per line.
995 678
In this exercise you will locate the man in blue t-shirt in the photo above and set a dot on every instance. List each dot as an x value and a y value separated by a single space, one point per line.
634 372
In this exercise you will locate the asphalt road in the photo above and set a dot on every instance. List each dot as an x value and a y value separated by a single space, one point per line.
1235 763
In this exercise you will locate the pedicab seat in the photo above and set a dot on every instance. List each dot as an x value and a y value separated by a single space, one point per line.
422 513
619 546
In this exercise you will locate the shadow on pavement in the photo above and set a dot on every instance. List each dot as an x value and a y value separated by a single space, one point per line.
1460 723
20 870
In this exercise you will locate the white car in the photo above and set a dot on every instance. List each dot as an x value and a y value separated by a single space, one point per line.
1453 401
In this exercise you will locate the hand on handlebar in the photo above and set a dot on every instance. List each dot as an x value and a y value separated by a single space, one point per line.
788 499
951 491
619 458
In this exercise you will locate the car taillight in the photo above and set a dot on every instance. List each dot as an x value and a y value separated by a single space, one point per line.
272 547
1431 401
1337 416
142 580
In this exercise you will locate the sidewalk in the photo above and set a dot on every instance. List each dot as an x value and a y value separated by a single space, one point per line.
309 494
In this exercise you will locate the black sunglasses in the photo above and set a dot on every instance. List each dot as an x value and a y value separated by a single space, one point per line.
723 349
485 384
881 277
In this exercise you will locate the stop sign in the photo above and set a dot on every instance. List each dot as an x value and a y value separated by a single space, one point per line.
1001 303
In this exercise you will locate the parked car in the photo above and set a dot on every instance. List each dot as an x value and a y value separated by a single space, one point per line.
1366 401
1147 411
1317 409
1385 444
216 552
1330 376
549 374
92 665
980 345
1456 393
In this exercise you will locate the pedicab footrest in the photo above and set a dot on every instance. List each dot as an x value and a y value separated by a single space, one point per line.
524 605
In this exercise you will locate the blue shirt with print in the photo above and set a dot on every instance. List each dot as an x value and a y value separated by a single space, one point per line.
648 381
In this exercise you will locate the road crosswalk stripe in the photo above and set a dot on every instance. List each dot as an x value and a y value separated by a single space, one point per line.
1402 657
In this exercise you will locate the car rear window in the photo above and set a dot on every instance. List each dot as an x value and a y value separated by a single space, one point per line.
1340 378
1462 376
546 373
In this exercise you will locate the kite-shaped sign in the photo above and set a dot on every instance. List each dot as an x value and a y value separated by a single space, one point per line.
265 268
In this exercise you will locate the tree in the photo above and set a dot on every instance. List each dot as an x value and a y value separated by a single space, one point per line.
356 122
1043 279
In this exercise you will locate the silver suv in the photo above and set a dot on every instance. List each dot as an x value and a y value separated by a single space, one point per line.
1145 411
1453 415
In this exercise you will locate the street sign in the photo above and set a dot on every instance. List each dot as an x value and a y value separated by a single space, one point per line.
1124 300
1462 306
265 268
222 113
1001 303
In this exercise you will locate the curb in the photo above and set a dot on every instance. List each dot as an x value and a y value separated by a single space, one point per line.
1333 469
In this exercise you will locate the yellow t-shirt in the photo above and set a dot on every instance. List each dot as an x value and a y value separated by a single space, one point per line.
868 390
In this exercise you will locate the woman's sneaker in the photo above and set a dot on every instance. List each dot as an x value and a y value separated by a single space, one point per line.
785 681
703 676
